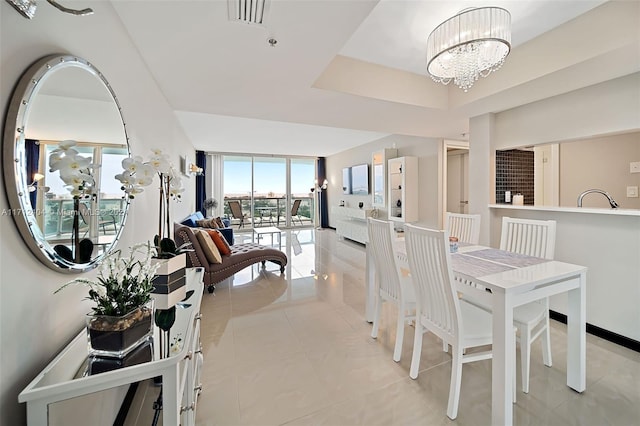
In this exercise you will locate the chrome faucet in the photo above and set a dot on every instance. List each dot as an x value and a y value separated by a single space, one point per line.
612 202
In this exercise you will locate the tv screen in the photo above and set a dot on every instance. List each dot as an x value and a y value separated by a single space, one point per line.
360 179
346 180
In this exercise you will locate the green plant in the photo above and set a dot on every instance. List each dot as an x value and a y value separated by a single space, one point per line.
166 248
123 283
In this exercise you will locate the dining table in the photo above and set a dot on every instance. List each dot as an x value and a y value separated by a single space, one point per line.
505 280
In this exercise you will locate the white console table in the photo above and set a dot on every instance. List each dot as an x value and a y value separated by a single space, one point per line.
65 377
351 223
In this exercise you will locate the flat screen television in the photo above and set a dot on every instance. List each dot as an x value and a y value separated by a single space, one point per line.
360 179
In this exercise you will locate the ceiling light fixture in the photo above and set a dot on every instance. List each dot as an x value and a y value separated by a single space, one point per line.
473 43
27 8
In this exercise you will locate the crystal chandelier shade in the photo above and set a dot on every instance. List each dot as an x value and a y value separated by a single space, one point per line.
473 43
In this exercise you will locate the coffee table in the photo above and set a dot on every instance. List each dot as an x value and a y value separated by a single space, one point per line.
259 232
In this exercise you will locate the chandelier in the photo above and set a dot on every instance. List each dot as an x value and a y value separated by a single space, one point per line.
473 43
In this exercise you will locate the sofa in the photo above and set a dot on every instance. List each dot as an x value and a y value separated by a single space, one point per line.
241 256
227 232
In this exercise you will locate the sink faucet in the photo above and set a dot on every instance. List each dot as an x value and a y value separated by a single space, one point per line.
612 202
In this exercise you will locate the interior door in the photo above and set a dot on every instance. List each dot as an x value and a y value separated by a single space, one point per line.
458 181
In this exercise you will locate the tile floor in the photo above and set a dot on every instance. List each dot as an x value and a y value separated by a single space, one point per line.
296 350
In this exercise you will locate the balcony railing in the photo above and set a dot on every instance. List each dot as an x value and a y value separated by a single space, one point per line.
270 211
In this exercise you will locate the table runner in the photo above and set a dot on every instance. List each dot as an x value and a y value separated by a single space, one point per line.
507 258
475 267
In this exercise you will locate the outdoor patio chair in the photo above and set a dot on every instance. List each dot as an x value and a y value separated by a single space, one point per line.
236 212
294 212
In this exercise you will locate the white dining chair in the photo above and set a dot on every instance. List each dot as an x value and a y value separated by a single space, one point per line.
439 310
534 238
391 284
466 227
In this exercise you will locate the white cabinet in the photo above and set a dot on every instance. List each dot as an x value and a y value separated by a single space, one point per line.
379 180
403 189
66 376
352 223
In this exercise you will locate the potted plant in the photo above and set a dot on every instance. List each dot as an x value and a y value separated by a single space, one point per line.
122 317
137 173
76 172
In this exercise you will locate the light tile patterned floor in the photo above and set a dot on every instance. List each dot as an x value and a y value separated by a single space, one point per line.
295 350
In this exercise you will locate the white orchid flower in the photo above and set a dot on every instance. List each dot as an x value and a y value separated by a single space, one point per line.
132 164
146 171
125 177
64 145
160 164
144 181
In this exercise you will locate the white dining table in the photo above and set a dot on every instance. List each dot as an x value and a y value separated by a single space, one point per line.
513 280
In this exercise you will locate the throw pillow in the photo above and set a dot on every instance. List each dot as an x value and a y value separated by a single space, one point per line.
207 223
209 248
220 242
219 223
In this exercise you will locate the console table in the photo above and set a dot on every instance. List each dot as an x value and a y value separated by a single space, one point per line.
66 376
351 223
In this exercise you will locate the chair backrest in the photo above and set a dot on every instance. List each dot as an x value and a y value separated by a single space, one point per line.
530 237
236 209
464 226
380 247
295 207
430 264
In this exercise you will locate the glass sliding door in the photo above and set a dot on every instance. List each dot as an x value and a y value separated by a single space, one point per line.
238 184
268 191
302 209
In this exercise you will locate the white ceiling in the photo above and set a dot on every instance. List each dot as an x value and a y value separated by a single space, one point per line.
233 92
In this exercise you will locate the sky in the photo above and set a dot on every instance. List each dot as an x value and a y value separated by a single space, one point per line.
270 175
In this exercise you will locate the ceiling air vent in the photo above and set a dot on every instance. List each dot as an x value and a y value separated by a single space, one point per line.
248 11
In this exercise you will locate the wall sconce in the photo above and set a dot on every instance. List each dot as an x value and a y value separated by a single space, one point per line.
195 170
317 275
324 186
34 185
27 8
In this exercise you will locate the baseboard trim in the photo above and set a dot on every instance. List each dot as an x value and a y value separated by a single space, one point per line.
616 338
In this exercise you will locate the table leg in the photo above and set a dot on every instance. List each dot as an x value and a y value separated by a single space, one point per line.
576 336
369 287
501 364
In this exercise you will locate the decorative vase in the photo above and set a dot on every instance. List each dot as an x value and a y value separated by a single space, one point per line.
169 283
115 337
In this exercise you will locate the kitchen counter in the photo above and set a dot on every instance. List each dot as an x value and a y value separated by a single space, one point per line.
588 210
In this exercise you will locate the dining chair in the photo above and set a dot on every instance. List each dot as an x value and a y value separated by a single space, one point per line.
294 211
391 284
464 226
439 310
533 238
236 212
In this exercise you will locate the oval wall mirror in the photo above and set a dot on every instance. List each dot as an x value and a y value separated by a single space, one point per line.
63 98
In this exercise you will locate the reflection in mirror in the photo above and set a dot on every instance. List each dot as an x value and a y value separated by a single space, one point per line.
556 174
62 98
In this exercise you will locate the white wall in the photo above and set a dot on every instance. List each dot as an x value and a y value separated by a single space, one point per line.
35 324
426 149
608 245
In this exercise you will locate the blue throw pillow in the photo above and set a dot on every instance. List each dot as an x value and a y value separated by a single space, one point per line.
191 220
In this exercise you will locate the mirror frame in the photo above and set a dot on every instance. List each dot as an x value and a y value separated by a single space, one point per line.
15 179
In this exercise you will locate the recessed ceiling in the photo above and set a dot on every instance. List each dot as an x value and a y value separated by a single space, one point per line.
355 65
